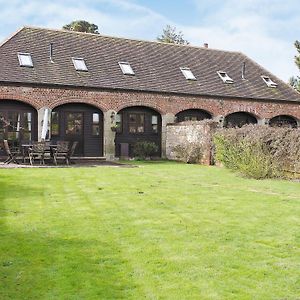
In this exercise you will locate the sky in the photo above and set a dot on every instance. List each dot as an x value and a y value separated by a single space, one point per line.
264 30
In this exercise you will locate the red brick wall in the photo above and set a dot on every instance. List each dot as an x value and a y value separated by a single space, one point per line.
40 97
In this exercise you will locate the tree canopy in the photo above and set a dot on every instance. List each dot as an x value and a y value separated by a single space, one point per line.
295 81
82 26
170 35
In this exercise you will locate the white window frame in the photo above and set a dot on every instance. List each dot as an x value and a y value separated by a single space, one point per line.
269 82
21 62
77 67
226 78
126 68
187 73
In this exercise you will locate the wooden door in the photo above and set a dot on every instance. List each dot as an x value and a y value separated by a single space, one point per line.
82 123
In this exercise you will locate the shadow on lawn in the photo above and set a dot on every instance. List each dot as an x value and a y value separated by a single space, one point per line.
46 265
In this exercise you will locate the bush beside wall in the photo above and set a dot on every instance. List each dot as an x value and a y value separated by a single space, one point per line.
259 151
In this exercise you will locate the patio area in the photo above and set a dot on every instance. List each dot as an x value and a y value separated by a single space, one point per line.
75 164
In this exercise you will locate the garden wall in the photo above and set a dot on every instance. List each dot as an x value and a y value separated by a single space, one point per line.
191 141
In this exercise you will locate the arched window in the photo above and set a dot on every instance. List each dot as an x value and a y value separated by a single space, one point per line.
239 119
283 121
193 115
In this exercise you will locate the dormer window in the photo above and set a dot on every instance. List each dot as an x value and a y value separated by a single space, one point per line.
225 77
188 74
126 68
269 82
25 60
79 64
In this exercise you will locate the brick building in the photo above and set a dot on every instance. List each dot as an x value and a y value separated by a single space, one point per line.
107 93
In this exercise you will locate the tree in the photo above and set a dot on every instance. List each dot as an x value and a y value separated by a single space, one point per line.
170 35
295 81
82 26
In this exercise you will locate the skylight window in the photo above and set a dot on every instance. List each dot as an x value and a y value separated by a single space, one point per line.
79 64
225 77
25 60
269 82
126 68
188 74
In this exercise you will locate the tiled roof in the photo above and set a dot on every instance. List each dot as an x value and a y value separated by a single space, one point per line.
156 66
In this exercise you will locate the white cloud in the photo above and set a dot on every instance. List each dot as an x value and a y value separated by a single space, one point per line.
262 29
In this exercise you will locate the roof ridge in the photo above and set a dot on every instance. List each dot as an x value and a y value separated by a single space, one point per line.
124 38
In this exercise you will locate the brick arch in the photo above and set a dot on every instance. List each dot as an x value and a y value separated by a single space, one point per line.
77 101
250 112
193 108
20 99
155 107
286 120
227 123
283 114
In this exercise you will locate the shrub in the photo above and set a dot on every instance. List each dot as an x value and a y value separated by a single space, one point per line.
259 151
189 153
144 149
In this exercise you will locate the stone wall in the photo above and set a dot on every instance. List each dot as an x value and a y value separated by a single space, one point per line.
186 140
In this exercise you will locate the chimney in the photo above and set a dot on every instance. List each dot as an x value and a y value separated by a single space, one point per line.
51 52
244 70
205 45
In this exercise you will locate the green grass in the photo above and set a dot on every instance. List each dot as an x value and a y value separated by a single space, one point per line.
160 231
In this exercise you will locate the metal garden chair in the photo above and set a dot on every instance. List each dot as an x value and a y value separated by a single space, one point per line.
11 154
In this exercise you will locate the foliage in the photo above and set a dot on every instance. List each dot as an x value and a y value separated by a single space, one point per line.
295 81
189 153
82 26
259 151
144 149
171 36
120 233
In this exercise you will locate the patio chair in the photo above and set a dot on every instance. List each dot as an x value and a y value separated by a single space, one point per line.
11 154
37 151
60 151
71 152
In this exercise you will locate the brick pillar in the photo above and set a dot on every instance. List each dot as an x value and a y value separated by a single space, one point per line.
108 134
220 120
165 119
265 122
41 113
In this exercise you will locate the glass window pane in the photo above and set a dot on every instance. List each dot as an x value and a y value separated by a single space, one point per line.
132 129
118 118
154 120
96 118
132 118
27 121
54 123
79 64
25 60
96 130
74 123
155 128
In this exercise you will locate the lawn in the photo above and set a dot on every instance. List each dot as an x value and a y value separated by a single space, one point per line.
159 231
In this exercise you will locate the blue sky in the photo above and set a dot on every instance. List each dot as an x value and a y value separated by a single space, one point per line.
265 30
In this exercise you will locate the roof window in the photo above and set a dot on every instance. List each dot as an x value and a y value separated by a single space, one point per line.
188 74
225 77
79 64
126 68
269 82
25 60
